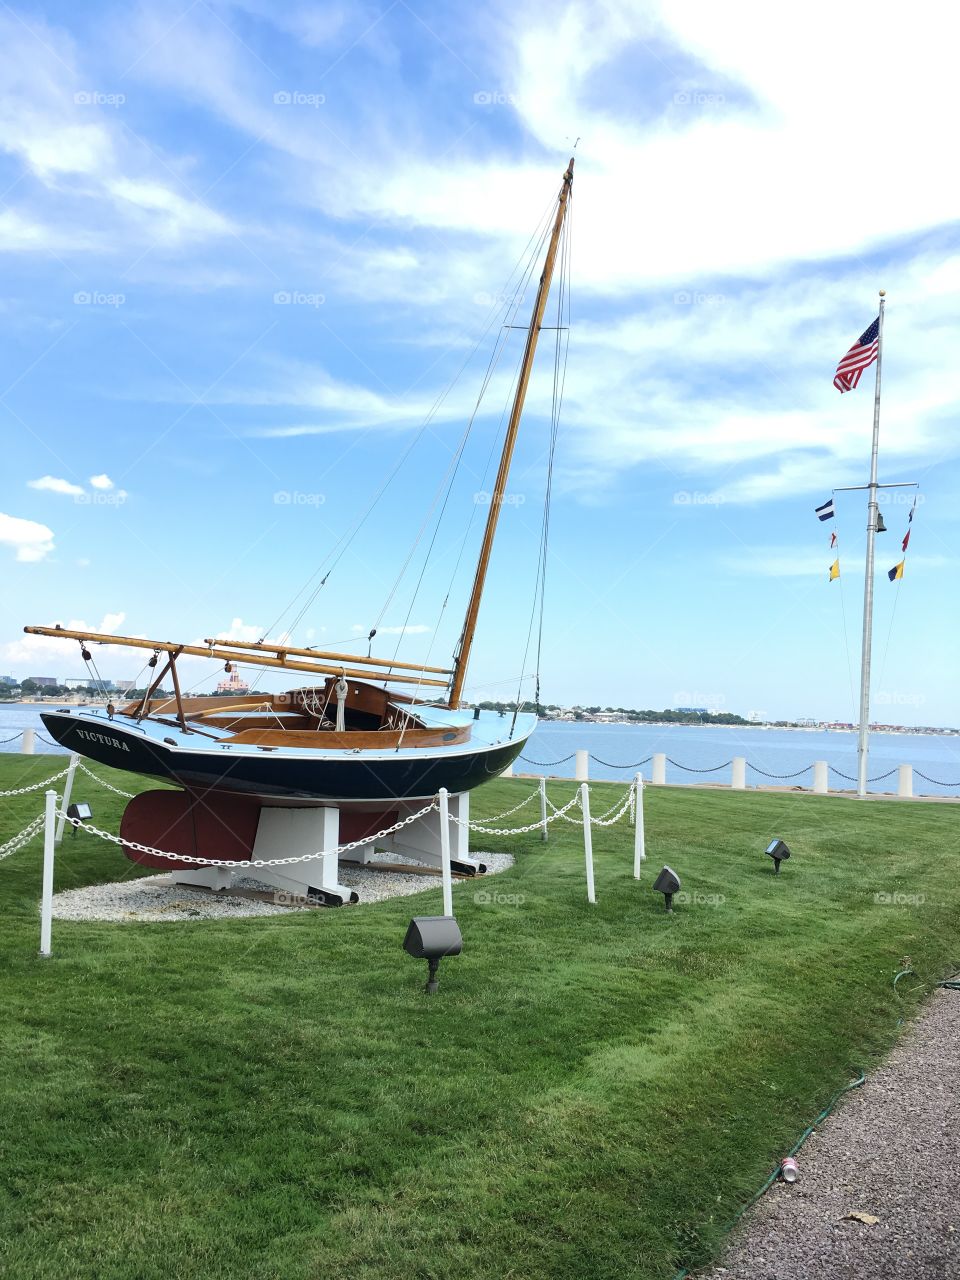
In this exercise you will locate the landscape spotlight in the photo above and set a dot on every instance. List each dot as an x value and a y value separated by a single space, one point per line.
431 938
667 883
778 851
82 813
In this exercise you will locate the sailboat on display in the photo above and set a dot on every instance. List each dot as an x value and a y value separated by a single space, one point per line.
372 735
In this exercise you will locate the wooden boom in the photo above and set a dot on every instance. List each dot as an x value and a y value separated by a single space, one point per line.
280 649
230 655
496 500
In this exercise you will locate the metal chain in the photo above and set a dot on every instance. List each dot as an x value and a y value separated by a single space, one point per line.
755 769
546 764
37 786
24 837
879 778
936 781
48 741
607 765
516 831
562 813
4 741
516 808
253 862
127 795
689 769
606 820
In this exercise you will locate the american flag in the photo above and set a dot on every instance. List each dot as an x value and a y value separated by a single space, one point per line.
860 356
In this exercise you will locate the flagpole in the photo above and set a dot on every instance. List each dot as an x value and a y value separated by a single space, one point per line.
863 740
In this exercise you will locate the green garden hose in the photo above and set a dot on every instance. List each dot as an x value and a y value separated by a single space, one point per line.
952 984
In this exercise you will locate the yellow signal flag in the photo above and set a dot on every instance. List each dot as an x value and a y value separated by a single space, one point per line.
896 572
835 569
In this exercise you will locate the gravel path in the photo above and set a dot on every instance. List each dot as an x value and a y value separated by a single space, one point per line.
891 1150
158 899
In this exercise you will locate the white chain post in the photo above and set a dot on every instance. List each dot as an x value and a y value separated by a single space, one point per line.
639 837
445 852
587 840
543 809
67 792
46 900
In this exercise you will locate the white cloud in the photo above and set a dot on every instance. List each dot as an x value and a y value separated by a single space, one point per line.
53 484
238 630
32 541
27 648
101 482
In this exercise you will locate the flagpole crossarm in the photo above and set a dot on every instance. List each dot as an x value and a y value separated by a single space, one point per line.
898 484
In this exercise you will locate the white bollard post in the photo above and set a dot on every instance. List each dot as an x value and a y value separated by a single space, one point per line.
445 853
543 810
905 780
659 769
587 840
67 792
639 837
508 771
738 779
46 897
582 772
29 744
820 778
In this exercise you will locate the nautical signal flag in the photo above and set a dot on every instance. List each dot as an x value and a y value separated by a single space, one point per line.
906 538
835 569
860 356
833 538
896 572
826 511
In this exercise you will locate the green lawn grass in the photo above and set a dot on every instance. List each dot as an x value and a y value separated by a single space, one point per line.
594 1092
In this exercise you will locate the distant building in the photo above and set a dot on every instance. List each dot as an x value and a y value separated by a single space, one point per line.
85 683
44 682
234 684
124 686
9 680
696 711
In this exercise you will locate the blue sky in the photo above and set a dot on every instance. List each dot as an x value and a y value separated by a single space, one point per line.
182 446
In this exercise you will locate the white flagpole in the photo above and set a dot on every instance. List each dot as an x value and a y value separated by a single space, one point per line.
863 740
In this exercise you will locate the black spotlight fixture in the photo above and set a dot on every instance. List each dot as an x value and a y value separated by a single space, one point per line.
431 938
778 851
667 883
81 812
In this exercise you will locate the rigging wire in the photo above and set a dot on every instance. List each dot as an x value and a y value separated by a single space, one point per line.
346 540
562 342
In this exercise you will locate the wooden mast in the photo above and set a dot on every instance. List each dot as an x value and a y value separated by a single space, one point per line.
496 500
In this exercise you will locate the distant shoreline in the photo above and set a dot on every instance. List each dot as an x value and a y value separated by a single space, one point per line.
889 730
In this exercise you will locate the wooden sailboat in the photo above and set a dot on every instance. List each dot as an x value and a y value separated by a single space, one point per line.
373 731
